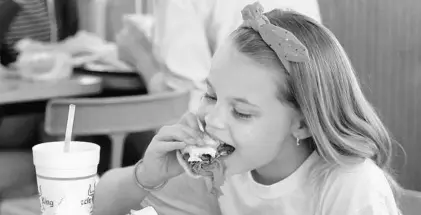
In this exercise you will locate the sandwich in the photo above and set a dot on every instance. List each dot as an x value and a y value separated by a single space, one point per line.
204 160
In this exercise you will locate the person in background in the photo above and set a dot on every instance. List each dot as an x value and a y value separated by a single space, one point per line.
41 20
185 36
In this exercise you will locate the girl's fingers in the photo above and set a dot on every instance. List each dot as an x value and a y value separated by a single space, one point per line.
192 121
165 147
178 133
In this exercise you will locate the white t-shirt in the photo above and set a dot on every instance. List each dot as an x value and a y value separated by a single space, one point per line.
187 32
359 190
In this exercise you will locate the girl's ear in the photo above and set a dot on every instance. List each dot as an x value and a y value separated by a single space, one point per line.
299 128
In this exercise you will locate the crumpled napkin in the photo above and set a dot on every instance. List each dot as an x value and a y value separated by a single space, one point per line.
83 48
44 65
145 211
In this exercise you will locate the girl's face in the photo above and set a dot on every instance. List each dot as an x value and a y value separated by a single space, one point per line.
240 108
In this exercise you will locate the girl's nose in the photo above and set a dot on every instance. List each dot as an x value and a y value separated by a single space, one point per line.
215 121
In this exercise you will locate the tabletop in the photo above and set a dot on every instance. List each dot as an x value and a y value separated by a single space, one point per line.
20 206
14 91
119 81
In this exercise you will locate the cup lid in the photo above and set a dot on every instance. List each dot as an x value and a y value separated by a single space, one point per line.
52 155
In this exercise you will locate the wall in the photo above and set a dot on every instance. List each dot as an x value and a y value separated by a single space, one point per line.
383 39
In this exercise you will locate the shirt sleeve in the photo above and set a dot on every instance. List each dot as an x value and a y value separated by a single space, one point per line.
369 202
8 10
359 190
180 39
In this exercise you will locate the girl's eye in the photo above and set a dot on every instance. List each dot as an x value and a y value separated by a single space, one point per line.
209 97
240 115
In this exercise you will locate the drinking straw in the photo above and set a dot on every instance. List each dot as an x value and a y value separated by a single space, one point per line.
69 128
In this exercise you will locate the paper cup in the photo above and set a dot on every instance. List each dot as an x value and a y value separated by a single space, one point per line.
66 181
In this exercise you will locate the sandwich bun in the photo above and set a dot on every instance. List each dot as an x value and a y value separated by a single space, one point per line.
186 166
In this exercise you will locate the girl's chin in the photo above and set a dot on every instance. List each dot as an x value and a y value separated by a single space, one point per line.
232 169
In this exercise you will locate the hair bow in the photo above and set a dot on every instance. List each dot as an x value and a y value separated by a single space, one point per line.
286 46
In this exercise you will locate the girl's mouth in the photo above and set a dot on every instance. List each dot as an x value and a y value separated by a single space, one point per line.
223 149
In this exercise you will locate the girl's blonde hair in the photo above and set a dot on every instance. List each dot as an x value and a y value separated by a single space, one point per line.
344 125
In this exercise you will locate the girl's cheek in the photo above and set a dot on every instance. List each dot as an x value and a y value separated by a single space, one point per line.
241 136
243 133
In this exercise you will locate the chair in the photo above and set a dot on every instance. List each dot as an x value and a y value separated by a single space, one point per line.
116 116
410 202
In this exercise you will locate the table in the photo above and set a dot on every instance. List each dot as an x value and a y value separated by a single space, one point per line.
21 206
117 81
14 91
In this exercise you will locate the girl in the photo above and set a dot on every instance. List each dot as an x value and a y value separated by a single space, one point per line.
283 93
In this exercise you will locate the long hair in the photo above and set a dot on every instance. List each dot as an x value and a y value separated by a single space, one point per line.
345 127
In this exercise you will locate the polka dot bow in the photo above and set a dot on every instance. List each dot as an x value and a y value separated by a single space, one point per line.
284 43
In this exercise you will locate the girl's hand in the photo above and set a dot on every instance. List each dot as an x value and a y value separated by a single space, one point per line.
160 162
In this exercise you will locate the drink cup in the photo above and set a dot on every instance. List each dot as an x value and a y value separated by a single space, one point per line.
66 180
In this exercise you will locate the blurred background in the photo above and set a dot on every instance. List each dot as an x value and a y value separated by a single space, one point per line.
382 38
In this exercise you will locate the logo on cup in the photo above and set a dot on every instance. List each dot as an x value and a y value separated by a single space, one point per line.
90 198
44 201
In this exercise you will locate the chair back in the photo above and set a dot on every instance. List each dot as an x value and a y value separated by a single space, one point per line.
116 116
96 116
